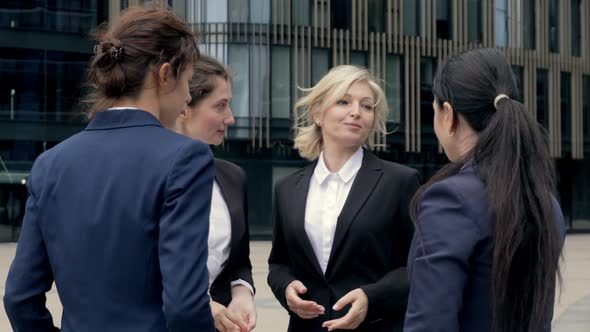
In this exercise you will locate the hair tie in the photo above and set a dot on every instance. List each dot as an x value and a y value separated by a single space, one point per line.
498 98
117 52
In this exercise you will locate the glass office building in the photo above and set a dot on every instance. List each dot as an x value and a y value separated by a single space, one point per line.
276 46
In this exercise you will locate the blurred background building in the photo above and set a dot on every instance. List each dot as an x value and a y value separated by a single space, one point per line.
276 46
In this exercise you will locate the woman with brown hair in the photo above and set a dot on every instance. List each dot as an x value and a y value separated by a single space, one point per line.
206 118
118 214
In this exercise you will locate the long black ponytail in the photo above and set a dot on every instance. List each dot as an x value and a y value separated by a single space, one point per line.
513 160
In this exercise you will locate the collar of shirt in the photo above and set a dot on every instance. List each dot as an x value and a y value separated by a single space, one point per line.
346 173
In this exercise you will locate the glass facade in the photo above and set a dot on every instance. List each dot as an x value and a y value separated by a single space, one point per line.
44 53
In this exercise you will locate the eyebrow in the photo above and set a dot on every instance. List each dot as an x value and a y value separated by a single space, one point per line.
349 96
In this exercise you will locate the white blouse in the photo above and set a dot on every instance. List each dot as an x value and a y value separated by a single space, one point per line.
325 199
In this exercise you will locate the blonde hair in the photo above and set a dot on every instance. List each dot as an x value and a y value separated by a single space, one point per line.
332 87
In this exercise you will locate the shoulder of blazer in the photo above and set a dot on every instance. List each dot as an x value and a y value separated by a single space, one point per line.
292 179
229 170
399 169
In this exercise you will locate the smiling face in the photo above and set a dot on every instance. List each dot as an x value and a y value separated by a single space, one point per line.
209 118
348 122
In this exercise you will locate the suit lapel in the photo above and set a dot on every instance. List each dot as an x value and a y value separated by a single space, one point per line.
234 205
362 187
298 205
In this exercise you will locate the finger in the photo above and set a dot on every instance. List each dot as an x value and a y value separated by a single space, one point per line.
307 314
227 324
299 287
340 323
236 319
345 300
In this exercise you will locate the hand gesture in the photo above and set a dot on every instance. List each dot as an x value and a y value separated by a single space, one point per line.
355 316
303 309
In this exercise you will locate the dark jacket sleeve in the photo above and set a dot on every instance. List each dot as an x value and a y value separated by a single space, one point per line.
243 268
30 275
439 260
184 229
388 296
280 274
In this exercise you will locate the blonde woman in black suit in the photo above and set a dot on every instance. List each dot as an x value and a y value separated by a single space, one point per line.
206 118
342 229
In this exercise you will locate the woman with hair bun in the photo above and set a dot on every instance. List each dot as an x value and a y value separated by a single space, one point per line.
118 214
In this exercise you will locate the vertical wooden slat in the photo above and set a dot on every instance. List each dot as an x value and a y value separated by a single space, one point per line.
288 14
389 19
347 37
341 43
274 20
407 100
423 19
354 13
417 128
267 100
322 22
315 22
366 23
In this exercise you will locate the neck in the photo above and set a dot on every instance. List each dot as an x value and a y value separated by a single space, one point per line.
145 102
336 157
466 143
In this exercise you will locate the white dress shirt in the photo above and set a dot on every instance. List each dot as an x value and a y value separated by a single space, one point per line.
219 241
219 234
325 199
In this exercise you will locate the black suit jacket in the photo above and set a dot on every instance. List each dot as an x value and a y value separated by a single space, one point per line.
232 182
369 251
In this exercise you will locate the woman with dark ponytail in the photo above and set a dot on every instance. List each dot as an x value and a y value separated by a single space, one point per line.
489 230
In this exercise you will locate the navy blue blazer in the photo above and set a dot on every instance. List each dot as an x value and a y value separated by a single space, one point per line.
118 216
450 261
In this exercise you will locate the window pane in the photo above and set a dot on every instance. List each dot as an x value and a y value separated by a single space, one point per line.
586 109
341 12
542 98
412 17
518 73
427 72
358 58
474 30
394 87
260 11
554 26
320 64
576 28
566 120
238 62
259 78
280 85
301 12
377 14
502 23
444 25
529 18
238 11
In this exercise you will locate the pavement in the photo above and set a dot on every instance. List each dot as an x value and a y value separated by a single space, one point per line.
572 307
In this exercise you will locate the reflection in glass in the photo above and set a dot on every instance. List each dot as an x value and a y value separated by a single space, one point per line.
394 87
280 95
238 63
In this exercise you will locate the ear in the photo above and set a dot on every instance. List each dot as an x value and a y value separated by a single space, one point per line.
185 113
449 120
316 116
165 74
